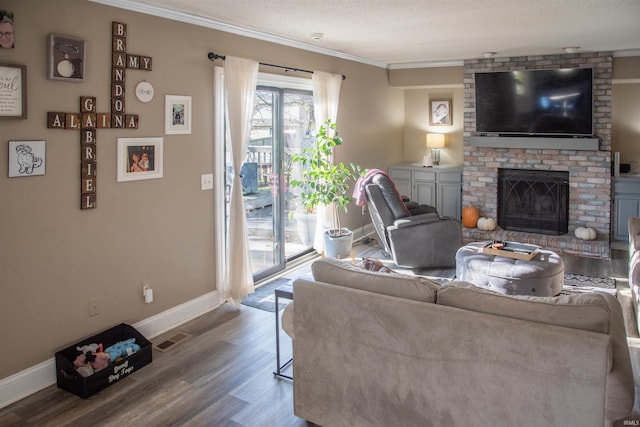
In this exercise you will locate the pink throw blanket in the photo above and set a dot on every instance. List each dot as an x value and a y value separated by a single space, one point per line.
358 191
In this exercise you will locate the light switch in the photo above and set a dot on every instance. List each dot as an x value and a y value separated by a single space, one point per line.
206 181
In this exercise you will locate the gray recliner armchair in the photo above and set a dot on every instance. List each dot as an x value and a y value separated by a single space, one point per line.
414 235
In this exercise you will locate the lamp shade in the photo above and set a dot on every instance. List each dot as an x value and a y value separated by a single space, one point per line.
435 140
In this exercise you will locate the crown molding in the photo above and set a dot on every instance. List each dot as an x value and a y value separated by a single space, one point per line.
428 64
623 53
174 15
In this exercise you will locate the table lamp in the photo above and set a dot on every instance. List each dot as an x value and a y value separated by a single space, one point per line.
435 141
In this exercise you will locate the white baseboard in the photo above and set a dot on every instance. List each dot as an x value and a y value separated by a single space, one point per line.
27 382
176 316
42 375
368 231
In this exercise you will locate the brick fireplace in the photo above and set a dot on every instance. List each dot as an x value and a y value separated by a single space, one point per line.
533 201
589 170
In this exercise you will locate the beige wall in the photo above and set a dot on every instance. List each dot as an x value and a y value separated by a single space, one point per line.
432 77
421 85
625 110
417 125
54 257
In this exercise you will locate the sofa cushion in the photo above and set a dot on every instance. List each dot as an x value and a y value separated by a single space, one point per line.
586 311
342 273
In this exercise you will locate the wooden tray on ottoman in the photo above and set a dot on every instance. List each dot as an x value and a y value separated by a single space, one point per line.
513 250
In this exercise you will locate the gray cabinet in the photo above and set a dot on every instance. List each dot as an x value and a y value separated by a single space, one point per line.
439 186
402 178
626 203
424 186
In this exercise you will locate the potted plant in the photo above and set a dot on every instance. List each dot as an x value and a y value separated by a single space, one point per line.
305 219
326 183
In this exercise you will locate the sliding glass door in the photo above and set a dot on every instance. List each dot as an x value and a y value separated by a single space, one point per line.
281 125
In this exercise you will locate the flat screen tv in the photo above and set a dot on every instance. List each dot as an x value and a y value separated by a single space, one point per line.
555 102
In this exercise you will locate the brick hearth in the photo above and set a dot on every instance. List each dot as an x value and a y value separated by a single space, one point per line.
589 170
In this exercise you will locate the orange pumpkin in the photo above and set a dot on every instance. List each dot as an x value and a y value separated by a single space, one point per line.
470 215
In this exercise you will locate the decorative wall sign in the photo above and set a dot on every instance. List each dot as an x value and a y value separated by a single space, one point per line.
139 158
89 120
13 91
144 91
177 114
66 58
27 158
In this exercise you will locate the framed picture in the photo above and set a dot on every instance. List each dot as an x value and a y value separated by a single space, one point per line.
7 29
27 158
440 112
177 114
66 58
13 91
139 158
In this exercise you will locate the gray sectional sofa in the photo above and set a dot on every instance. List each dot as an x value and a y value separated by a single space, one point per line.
382 349
634 265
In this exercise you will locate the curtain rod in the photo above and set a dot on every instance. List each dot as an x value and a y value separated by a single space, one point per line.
213 56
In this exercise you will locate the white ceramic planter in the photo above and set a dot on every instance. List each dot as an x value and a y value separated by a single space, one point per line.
338 246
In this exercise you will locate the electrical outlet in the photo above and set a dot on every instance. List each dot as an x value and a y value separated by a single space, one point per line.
206 181
364 209
93 307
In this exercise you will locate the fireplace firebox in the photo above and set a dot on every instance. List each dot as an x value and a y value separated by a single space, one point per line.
533 201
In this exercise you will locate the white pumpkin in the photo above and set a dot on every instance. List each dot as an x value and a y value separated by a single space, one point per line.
487 224
585 233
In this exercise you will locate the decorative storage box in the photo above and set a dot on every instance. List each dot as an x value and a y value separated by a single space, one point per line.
69 379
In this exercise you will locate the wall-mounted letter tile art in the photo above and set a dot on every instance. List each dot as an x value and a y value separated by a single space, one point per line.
88 120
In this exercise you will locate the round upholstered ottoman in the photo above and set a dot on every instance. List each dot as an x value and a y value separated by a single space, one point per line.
542 276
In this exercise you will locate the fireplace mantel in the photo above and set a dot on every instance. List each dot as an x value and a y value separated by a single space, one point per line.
543 143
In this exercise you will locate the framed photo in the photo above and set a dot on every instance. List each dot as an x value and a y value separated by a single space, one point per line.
27 158
7 29
440 112
139 158
13 91
177 114
66 58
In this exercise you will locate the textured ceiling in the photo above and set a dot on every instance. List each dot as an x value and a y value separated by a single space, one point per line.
406 32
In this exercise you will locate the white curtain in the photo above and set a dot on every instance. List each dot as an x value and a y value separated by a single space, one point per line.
240 77
326 95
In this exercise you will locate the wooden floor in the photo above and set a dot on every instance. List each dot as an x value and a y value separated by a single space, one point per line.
222 375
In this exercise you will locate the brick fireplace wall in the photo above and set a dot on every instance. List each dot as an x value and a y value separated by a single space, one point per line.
589 171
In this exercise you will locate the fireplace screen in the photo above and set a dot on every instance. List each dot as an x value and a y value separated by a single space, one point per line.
533 201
